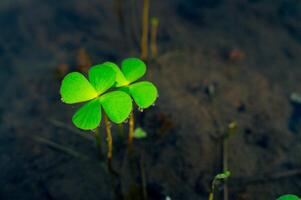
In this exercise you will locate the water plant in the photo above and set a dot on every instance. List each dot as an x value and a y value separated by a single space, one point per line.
288 197
144 93
116 106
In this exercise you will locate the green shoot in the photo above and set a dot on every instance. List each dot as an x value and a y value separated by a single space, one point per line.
217 179
139 133
231 131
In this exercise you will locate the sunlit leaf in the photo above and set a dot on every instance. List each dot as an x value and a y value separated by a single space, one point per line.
102 77
133 69
88 116
117 105
139 133
76 88
120 79
144 93
288 197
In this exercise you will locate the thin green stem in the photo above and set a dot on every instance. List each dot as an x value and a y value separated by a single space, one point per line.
98 142
131 132
109 142
121 130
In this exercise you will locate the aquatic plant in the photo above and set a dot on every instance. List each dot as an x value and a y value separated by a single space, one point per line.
116 106
219 177
75 88
144 93
288 197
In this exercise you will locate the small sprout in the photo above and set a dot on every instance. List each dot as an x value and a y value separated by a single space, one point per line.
139 133
232 128
223 176
219 177
154 21
288 197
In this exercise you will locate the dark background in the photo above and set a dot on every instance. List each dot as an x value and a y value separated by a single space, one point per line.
219 61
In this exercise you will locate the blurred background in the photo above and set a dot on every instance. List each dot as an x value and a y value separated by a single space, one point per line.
217 62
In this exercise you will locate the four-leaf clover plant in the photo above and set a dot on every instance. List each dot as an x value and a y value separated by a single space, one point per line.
117 105
75 88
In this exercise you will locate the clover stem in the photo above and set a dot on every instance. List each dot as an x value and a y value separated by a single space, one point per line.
109 141
131 131
121 130
98 142
154 30
144 38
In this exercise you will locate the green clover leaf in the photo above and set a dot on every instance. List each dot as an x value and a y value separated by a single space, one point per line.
144 93
88 116
101 77
133 69
117 105
76 88
288 197
120 79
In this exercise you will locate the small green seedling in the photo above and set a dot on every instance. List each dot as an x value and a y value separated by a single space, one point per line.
218 178
288 197
139 133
